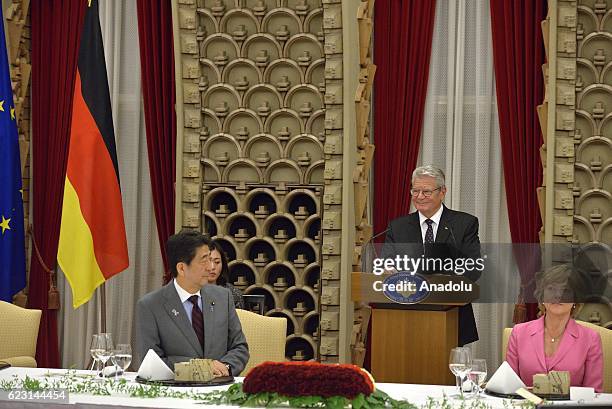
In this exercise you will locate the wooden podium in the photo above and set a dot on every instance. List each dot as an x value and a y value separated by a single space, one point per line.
409 343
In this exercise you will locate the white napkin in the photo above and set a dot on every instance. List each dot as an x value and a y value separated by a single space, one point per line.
153 368
584 394
505 380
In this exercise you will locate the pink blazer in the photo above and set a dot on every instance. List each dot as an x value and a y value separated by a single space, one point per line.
579 353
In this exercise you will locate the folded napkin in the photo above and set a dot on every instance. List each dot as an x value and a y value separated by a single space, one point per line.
153 368
505 380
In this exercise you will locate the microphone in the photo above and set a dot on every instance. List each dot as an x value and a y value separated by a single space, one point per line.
366 259
378 235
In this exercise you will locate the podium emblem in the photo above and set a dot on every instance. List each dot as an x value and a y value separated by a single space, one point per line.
405 288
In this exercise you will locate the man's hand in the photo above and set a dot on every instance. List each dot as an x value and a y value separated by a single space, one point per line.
219 369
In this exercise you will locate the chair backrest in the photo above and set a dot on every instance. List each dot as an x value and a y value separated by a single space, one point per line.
265 336
505 338
18 330
606 346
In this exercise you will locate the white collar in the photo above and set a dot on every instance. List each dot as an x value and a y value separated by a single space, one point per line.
435 217
182 293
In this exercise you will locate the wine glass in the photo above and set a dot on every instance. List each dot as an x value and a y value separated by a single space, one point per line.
122 357
94 351
104 348
460 364
478 374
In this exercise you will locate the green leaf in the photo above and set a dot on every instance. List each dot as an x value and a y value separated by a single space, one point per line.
359 401
235 394
305 401
257 399
277 400
336 402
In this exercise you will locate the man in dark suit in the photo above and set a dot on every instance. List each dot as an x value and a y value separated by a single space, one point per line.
441 232
188 319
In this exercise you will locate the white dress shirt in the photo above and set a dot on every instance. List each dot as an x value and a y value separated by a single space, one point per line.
184 296
436 222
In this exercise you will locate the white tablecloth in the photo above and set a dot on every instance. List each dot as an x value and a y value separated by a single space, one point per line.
416 394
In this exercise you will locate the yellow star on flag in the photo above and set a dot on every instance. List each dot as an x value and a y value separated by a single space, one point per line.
12 113
2 105
5 224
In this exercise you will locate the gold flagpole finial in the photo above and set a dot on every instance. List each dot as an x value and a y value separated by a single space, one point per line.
88 3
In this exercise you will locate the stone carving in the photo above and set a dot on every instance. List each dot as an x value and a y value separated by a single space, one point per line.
262 129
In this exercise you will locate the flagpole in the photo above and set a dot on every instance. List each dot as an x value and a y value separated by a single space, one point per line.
103 307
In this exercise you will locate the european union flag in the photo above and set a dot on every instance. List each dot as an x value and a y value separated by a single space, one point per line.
12 248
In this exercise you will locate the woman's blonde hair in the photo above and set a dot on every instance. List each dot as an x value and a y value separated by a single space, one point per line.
562 274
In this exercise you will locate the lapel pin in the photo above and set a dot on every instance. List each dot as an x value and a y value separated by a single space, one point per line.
175 312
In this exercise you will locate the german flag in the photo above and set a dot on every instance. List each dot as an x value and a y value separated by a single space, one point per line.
92 245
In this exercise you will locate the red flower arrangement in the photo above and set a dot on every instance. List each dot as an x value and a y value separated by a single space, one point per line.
308 379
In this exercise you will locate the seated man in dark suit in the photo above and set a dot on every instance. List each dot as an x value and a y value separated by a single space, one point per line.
440 233
188 319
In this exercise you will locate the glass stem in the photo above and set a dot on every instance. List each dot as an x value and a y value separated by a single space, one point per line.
457 383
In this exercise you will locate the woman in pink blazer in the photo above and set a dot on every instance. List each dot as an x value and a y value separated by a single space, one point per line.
555 342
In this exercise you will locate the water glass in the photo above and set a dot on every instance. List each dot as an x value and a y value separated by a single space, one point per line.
460 364
478 374
122 357
104 348
94 351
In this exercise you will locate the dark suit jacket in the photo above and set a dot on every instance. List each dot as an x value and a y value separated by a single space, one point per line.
163 325
459 231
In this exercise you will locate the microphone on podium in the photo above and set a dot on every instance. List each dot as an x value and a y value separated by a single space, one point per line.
367 255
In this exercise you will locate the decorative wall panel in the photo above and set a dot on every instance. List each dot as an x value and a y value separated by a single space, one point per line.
262 153
580 211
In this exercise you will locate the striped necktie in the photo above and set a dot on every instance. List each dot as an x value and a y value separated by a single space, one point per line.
197 319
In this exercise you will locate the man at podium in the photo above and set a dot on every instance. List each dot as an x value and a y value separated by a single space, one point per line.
438 232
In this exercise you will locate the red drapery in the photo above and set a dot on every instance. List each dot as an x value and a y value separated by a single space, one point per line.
56 32
157 68
518 55
402 47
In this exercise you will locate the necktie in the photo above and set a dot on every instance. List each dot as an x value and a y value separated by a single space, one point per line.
197 319
429 238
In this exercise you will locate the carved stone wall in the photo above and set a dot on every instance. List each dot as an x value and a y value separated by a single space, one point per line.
578 38
262 165
361 173
17 28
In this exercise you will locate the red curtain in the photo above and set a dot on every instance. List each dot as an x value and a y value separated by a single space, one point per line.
518 55
56 32
157 68
402 48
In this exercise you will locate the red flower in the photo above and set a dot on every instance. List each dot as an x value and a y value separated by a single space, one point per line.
308 379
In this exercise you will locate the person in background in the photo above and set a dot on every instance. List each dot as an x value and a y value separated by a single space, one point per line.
220 273
187 318
555 341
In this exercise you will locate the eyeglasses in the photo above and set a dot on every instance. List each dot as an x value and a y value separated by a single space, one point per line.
426 193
